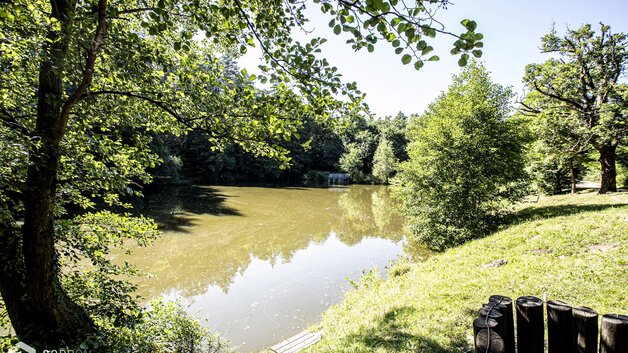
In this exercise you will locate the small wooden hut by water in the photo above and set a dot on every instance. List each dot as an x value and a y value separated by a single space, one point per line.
338 179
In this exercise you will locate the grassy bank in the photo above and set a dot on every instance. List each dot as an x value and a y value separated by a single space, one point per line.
572 248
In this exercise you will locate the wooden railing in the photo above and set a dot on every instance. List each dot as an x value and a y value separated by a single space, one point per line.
569 330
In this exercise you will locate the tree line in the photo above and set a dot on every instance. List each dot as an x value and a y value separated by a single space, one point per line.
366 148
573 115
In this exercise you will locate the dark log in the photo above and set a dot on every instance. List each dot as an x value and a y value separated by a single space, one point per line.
614 334
492 311
530 325
585 329
480 324
560 329
488 341
509 328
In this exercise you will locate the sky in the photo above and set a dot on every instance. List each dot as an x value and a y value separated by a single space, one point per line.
512 35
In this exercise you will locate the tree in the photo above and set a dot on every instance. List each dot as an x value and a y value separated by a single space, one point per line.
86 82
394 130
384 161
583 79
357 160
466 162
559 144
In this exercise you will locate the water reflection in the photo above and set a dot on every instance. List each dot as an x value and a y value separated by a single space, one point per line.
262 263
267 303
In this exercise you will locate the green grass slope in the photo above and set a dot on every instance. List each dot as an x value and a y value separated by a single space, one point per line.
572 248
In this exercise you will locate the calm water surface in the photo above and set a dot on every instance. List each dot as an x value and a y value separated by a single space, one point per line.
262 264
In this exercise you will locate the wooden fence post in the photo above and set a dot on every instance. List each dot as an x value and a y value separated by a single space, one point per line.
614 334
560 329
585 329
530 325
492 312
509 328
488 341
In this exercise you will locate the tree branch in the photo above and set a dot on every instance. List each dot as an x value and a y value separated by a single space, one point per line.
185 121
88 72
560 98
359 9
11 122
163 106
127 11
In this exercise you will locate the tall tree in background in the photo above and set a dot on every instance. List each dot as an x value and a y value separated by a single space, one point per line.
394 130
85 82
384 161
583 79
466 162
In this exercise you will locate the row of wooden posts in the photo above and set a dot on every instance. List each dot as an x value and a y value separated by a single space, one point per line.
569 330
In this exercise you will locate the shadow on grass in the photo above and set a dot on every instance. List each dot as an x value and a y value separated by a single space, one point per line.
174 207
392 334
536 213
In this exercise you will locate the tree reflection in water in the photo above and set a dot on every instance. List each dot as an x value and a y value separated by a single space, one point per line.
210 234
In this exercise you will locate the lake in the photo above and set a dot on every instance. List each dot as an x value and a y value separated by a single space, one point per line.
262 264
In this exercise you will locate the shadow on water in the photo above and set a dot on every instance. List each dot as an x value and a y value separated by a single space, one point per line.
173 207
392 334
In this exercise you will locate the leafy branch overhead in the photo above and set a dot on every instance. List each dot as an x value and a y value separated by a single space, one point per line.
407 26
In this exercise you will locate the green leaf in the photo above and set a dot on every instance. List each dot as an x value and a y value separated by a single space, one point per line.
398 51
406 59
428 31
462 62
433 58
469 24
419 64
337 29
477 53
370 48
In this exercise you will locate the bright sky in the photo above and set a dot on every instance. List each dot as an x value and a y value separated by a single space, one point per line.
512 32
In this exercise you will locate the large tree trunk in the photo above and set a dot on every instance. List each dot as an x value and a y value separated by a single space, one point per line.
609 171
58 318
41 312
